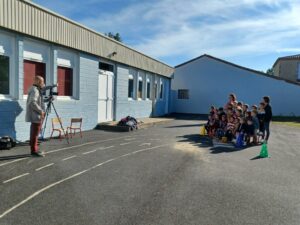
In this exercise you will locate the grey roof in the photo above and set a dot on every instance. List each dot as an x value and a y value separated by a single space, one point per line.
240 67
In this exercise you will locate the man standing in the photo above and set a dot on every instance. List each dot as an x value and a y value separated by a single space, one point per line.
35 112
268 117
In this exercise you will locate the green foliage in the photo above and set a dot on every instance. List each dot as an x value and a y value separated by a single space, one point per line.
116 36
270 71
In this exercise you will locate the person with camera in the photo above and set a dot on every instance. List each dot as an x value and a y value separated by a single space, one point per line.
35 112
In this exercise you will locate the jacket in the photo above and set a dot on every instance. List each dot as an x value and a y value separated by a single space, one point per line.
35 105
268 114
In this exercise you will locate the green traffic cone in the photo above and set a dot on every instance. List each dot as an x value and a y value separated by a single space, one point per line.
264 151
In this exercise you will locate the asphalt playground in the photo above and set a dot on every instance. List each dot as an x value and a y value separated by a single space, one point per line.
161 175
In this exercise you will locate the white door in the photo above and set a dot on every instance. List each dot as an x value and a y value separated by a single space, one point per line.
105 96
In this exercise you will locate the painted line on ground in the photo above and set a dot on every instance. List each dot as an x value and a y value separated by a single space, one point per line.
14 178
71 157
43 167
66 148
35 194
17 160
85 153
127 143
88 143
129 139
148 144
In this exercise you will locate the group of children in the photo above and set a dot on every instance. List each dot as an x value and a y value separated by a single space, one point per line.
237 120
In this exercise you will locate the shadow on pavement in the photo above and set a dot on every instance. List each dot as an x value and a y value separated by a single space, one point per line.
187 125
206 142
3 158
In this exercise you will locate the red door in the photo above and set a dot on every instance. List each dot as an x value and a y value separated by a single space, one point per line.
65 81
32 69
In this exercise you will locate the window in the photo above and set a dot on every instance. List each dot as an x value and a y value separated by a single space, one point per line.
32 69
4 75
161 94
65 81
155 90
148 96
106 67
130 87
299 72
140 88
183 94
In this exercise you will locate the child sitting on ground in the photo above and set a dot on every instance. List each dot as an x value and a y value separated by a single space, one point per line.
222 127
249 131
230 129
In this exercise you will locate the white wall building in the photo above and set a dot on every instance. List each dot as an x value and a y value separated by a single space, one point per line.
206 80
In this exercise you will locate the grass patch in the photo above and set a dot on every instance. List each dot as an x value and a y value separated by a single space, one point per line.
292 121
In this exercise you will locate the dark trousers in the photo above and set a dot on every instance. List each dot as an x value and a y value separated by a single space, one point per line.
267 130
34 133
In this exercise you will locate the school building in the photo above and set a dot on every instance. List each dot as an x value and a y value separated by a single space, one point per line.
99 79
207 80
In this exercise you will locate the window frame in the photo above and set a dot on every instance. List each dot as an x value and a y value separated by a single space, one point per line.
66 97
298 70
130 77
8 49
6 96
140 81
161 90
148 81
185 94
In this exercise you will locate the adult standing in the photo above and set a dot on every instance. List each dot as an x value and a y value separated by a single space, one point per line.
35 112
231 101
267 117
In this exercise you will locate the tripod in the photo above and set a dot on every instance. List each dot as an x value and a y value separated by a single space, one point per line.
48 110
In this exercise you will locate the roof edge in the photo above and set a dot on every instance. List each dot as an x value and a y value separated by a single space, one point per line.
91 30
240 67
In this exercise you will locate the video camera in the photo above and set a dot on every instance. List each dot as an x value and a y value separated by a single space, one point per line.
51 92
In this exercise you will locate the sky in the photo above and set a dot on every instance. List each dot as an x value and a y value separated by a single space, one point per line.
251 33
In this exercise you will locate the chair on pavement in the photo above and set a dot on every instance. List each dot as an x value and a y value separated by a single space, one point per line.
75 126
56 126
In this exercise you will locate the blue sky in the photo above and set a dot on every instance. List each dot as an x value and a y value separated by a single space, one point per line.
251 33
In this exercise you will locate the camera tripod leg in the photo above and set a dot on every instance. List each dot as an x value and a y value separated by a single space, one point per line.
45 122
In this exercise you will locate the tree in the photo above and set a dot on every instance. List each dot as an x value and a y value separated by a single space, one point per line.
270 71
116 36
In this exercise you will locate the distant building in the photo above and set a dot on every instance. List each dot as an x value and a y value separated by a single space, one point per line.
288 67
207 80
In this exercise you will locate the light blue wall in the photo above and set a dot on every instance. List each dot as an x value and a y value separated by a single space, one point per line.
210 82
137 108
12 110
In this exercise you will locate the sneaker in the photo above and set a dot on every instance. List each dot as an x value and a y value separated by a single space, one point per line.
37 154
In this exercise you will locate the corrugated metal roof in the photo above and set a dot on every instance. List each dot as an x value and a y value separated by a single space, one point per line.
31 19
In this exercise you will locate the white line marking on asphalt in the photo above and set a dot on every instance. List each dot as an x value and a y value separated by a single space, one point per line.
71 157
17 160
85 153
14 178
70 177
39 192
129 139
66 148
43 167
127 143
148 144
104 148
88 143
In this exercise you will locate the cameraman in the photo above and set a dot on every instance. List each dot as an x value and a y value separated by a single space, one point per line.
35 112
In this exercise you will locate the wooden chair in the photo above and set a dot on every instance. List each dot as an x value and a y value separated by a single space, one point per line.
56 127
75 126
